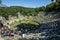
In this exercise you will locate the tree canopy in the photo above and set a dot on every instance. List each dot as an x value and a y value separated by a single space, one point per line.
6 11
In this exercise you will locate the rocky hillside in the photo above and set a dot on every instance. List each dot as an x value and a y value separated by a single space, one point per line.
48 20
46 17
50 24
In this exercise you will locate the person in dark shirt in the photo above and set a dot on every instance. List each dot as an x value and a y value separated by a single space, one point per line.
1 25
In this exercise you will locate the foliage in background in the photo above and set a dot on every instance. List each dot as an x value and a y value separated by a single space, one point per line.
6 11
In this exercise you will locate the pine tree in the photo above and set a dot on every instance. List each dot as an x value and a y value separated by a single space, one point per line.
57 0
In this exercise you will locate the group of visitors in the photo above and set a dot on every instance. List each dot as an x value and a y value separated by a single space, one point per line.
5 31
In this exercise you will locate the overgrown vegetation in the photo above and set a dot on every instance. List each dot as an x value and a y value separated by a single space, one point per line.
26 24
